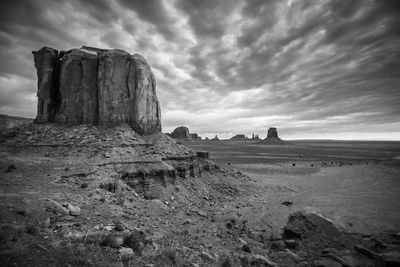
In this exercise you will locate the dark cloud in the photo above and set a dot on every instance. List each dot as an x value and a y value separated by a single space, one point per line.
154 12
225 66
208 17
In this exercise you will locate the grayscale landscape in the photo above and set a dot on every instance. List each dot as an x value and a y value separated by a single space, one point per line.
193 133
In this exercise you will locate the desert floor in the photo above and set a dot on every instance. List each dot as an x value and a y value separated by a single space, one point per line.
68 197
356 184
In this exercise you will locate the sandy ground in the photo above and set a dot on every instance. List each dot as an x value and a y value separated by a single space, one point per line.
356 184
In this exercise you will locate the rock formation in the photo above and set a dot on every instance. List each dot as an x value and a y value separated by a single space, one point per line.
181 132
195 136
272 137
215 138
240 137
98 87
272 132
255 137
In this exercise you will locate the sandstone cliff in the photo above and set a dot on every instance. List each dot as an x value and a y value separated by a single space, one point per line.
98 87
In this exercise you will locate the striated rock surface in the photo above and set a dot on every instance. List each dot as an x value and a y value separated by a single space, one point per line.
98 87
46 64
78 88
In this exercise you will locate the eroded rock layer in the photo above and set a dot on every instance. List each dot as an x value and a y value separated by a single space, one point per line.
97 87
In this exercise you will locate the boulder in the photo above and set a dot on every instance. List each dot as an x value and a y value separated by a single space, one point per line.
302 225
181 132
98 87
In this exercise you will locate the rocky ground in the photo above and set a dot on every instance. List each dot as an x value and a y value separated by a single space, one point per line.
90 196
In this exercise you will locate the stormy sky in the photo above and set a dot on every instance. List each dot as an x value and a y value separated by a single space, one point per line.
314 69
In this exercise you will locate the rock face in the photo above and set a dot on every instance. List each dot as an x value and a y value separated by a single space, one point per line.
46 63
272 132
181 132
97 87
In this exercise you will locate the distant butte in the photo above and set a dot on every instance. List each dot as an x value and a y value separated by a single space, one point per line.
272 137
95 86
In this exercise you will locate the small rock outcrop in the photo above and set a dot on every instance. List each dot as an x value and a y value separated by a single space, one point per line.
272 137
97 87
195 136
215 138
181 132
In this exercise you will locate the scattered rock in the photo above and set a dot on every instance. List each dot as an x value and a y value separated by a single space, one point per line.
73 210
119 227
56 207
125 253
32 229
21 211
397 235
206 256
287 203
11 168
246 248
258 261
291 243
113 241
136 240
278 245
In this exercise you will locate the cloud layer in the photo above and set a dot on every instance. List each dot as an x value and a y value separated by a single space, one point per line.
314 69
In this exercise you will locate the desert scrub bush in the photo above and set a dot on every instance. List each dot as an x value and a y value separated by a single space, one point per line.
136 240
169 256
